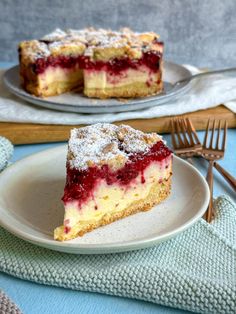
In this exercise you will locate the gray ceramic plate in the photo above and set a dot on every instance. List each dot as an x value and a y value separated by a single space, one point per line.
31 207
75 102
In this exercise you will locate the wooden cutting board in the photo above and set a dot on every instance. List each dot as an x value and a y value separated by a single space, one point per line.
26 133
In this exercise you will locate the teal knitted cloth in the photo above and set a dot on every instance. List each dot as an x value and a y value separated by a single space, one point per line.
7 306
195 271
6 151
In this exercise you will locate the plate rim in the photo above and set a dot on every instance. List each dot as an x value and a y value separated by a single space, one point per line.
142 104
106 248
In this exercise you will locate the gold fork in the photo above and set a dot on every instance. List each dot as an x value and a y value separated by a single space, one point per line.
192 147
184 138
213 152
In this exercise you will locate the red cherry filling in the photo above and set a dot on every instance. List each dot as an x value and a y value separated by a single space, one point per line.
80 184
150 59
67 62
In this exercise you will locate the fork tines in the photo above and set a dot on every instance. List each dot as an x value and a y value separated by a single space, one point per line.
183 135
208 145
186 144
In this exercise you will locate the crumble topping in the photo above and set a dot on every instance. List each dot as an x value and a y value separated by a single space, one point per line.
105 143
56 35
33 50
99 44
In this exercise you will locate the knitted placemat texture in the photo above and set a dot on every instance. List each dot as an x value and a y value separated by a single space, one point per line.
7 306
6 151
195 271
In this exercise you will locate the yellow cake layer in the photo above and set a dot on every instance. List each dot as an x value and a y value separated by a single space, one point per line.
127 91
130 83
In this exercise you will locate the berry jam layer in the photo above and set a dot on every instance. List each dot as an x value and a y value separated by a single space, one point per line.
150 59
81 184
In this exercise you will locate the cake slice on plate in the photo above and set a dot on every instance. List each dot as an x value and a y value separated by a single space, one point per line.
112 172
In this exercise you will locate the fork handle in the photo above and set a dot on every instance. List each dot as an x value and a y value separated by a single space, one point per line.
228 177
209 179
229 71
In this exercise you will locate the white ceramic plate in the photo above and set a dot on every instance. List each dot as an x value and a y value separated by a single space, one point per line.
75 102
30 207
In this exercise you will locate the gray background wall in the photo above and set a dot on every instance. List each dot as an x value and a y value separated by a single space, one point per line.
201 32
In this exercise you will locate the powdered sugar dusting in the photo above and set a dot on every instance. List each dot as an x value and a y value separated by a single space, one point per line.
56 35
92 39
34 49
102 143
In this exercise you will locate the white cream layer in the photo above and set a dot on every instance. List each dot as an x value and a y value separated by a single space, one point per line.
59 74
103 79
114 198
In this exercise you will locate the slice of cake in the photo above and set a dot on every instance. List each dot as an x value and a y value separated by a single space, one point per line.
51 66
123 64
107 63
112 172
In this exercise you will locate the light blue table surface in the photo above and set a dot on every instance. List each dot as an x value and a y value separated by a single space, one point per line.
33 298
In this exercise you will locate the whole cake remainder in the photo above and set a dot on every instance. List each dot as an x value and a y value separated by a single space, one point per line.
112 172
102 63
